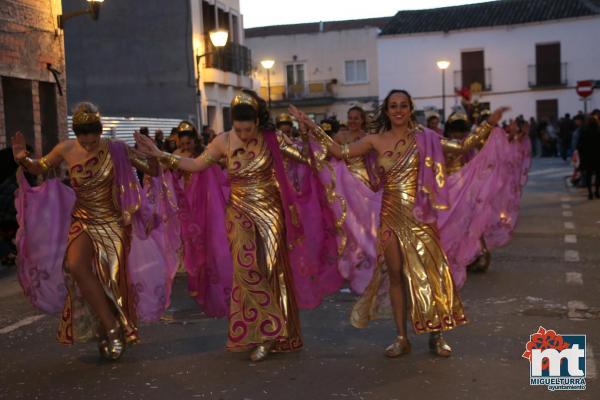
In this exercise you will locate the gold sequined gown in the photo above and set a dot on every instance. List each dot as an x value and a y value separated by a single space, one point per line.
263 306
434 304
96 214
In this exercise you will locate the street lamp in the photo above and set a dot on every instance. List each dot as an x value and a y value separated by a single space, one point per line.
443 65
218 38
268 64
93 10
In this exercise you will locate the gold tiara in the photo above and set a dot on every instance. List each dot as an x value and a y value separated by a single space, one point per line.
185 126
284 117
244 98
326 126
84 118
458 116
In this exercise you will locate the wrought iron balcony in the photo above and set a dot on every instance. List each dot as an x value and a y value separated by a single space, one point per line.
310 90
547 75
232 57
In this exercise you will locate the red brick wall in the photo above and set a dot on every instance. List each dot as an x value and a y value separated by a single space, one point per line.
29 40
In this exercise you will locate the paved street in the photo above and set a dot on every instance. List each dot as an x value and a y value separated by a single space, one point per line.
549 275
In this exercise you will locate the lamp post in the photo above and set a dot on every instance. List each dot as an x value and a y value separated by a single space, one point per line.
268 64
218 38
443 65
93 10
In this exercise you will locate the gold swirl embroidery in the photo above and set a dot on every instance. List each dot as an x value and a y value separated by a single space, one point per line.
440 176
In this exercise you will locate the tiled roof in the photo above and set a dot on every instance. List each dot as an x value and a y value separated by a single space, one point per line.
491 13
316 27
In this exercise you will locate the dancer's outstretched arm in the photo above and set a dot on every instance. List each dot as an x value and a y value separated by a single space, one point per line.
213 153
477 139
35 167
359 148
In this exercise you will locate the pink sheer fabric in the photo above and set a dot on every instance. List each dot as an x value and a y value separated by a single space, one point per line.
44 215
359 210
485 196
206 255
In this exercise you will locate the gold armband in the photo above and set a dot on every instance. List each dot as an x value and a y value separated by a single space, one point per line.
323 137
345 151
29 163
171 161
207 158
44 164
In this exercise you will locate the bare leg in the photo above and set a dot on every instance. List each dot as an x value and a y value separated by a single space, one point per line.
79 263
393 259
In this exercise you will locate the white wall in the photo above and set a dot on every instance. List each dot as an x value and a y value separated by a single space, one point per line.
324 55
409 62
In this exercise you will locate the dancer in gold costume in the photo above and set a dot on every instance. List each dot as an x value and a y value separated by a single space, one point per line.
99 301
263 314
357 123
410 256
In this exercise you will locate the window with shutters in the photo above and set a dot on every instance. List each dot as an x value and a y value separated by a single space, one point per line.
355 71
547 64
473 68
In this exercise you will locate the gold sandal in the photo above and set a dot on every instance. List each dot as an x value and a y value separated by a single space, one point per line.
400 347
113 346
438 345
262 351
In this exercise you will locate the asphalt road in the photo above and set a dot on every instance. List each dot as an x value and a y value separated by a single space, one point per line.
548 275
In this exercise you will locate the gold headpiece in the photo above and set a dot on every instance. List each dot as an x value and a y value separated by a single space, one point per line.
485 112
185 126
326 126
84 118
458 116
244 98
283 117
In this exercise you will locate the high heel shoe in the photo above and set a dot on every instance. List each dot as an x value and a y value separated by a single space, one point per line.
112 346
400 347
438 345
262 351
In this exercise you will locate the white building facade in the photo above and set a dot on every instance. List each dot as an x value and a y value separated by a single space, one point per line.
532 66
322 67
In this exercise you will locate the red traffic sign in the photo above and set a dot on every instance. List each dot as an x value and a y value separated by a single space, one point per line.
585 88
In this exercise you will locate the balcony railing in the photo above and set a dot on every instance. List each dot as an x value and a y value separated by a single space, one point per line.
547 75
486 74
233 58
310 90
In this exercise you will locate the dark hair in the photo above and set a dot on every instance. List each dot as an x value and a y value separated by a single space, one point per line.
382 122
191 134
432 116
245 112
363 115
92 128
144 131
458 125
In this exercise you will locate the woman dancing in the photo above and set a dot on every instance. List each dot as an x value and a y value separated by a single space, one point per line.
410 256
105 211
261 222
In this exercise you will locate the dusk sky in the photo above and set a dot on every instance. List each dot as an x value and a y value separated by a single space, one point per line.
278 12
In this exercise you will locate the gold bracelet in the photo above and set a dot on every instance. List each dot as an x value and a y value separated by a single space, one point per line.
171 161
345 151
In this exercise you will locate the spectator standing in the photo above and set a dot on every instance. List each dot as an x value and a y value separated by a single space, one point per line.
589 152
